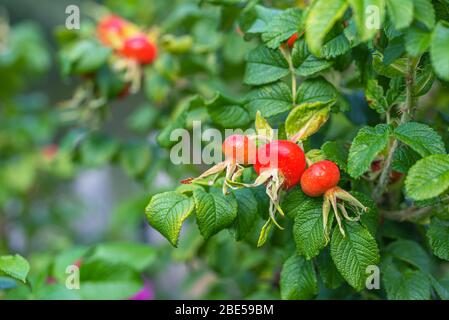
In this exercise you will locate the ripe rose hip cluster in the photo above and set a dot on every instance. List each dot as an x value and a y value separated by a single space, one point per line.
280 166
126 39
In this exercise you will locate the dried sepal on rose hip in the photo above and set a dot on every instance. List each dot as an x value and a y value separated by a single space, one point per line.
239 151
279 165
322 178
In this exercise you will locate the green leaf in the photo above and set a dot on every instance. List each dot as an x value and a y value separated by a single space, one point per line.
214 211
365 18
307 64
375 97
398 68
410 252
282 27
336 152
306 119
441 287
439 49
270 100
167 211
424 81
428 178
227 112
135 255
264 66
321 17
308 229
298 279
263 127
296 201
15 266
421 138
247 216
401 12
316 90
264 16
336 47
438 235
405 284
425 13
417 41
354 253
368 143
404 158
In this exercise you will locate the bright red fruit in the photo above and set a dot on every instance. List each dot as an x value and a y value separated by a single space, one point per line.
139 48
111 28
291 41
239 149
319 178
284 155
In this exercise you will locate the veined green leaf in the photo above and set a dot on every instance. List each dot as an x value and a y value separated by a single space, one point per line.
264 66
15 266
368 16
354 253
214 211
270 100
167 211
306 119
321 17
282 27
368 143
439 49
428 178
424 12
227 112
401 12
421 138
298 279
438 235
405 284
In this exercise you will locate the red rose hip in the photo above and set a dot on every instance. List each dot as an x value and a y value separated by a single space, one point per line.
139 48
319 178
111 28
291 41
239 149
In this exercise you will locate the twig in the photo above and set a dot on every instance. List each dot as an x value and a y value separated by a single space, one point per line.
408 214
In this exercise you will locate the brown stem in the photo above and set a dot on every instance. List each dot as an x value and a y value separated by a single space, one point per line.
408 214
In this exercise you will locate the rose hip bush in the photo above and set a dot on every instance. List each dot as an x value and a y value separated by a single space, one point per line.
361 172
336 187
